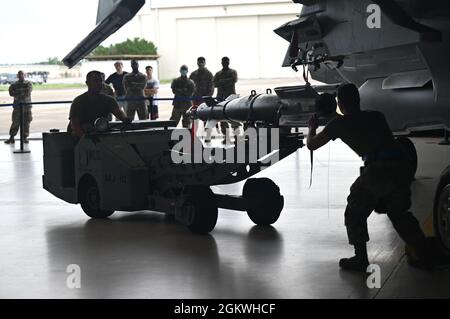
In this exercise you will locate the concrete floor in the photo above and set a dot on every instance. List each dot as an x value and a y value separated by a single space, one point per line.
144 255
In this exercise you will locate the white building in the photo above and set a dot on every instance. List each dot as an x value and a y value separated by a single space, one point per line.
242 30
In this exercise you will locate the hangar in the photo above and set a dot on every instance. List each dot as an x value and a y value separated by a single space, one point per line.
53 251
242 30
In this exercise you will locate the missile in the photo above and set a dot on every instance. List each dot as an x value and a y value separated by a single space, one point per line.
290 106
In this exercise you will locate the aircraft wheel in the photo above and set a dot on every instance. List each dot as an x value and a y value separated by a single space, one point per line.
200 209
265 202
441 216
89 197
410 152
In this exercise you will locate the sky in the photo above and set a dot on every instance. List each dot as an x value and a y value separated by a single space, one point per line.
34 30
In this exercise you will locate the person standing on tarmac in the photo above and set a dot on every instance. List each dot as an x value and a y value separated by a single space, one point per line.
21 92
204 85
385 179
225 82
116 79
151 90
134 84
183 88
203 80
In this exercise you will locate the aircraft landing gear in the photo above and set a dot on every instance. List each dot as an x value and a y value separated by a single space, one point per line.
441 216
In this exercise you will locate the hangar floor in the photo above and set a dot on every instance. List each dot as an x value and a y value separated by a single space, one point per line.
143 255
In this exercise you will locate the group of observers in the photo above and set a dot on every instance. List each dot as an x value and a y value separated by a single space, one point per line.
188 91
135 92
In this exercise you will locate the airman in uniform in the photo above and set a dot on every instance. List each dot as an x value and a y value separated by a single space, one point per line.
225 82
21 92
385 180
134 84
183 88
203 80
204 85
92 105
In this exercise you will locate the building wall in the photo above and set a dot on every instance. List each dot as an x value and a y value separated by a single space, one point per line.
242 31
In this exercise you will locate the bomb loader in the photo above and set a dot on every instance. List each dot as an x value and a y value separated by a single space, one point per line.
130 167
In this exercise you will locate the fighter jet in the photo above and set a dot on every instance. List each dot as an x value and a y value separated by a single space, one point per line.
396 52
111 16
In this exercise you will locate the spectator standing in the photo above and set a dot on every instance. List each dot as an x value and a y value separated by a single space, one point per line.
21 92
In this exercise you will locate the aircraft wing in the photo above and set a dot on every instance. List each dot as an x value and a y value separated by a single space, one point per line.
111 16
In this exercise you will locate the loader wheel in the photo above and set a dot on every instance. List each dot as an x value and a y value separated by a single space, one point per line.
410 152
201 209
265 202
89 197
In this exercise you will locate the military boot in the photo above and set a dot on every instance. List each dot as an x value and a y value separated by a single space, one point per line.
10 140
359 262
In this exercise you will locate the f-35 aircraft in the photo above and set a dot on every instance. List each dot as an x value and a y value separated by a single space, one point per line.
395 51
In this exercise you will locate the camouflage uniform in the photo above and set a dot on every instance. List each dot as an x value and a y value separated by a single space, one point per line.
134 85
182 88
107 90
383 184
225 81
385 180
203 80
21 91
